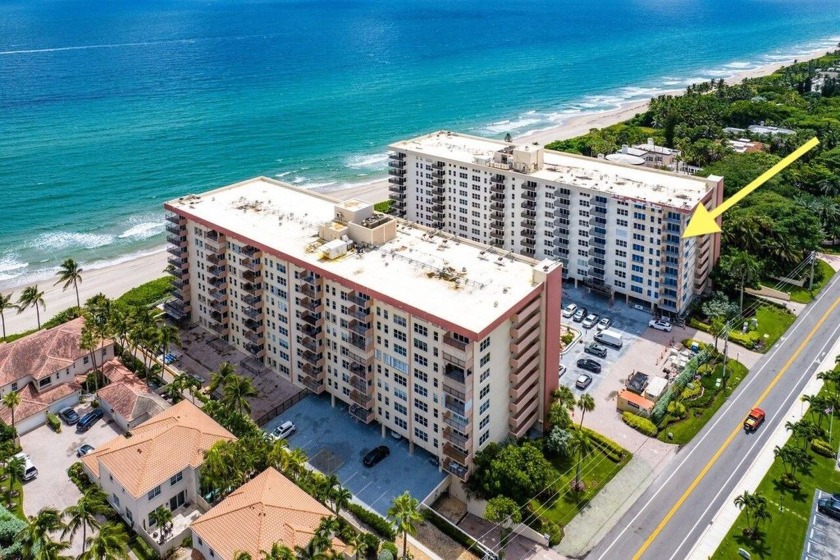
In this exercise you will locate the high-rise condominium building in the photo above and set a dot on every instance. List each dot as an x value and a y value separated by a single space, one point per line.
447 342
617 228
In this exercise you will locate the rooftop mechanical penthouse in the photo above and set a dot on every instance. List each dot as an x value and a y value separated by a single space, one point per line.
617 228
450 343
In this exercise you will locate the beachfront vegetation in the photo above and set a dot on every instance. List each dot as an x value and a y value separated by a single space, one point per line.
147 294
71 274
32 297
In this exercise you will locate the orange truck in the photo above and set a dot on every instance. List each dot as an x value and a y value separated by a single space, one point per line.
754 420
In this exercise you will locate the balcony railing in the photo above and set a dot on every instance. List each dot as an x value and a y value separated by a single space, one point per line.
456 421
220 306
312 371
452 467
361 399
250 275
252 300
251 251
219 328
461 440
312 304
217 294
256 350
454 453
178 251
176 229
252 312
362 329
217 282
362 414
175 219
254 337
176 239
311 279
314 385
453 404
251 289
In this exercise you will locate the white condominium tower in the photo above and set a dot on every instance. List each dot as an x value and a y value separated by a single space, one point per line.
447 342
616 228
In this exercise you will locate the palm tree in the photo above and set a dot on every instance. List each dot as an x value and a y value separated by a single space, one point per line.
190 384
586 404
803 430
70 273
173 391
277 552
162 517
167 335
83 515
36 535
237 389
217 379
110 542
579 445
14 469
6 303
240 555
359 541
31 297
755 508
403 512
12 401
340 497
52 550
746 268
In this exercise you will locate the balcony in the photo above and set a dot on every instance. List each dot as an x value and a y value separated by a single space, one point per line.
308 330
252 264
360 342
529 242
396 163
217 282
251 289
396 181
529 186
220 329
438 208
313 319
497 197
454 404
314 385
218 294
358 300
213 247
218 270
439 199
312 371
497 234
497 188
456 421
396 171
220 306
177 310
529 195
498 215
461 440
454 453
256 350
362 414
456 373
360 385
177 262
497 205
251 252
315 359
176 229
213 258
254 326
177 251
454 468
178 240
312 304
311 280
359 370
497 179
253 301
250 275
254 337
398 196
175 219
362 329
361 399
396 155
309 343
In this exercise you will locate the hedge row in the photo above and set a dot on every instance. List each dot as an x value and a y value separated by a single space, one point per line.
608 447
639 424
379 524
447 529
821 447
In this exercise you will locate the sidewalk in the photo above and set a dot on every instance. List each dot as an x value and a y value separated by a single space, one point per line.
728 513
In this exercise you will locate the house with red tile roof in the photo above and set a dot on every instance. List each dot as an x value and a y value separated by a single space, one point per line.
127 399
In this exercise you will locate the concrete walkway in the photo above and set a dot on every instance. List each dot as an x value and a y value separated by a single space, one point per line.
726 516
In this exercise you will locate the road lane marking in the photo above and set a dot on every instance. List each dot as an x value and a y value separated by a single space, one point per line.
734 433
721 413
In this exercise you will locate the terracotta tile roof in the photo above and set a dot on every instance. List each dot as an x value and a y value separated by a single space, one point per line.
158 448
127 394
32 402
266 510
42 353
639 400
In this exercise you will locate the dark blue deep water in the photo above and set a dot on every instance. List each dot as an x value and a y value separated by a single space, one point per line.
110 107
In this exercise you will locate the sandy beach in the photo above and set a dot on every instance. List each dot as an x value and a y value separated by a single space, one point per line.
117 279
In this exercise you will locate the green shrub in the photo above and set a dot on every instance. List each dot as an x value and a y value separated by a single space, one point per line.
390 547
691 390
77 475
379 524
384 206
372 541
10 526
447 529
608 447
147 294
821 447
639 424
62 317
676 409
53 422
567 338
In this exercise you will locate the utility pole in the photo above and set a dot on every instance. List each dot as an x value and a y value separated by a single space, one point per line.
725 358
813 258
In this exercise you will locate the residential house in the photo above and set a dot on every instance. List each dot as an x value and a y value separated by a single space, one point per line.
43 367
158 465
127 398
268 509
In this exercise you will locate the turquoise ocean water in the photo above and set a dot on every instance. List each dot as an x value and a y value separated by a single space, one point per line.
110 107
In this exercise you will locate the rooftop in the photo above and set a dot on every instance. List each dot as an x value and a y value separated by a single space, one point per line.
128 396
42 353
637 382
158 448
457 281
32 402
266 510
682 192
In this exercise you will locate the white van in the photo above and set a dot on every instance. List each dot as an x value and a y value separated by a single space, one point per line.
610 337
29 470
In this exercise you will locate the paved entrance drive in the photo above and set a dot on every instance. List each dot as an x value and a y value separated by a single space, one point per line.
336 443
822 541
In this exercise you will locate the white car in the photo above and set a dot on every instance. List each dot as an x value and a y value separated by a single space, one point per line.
603 324
561 370
660 324
590 321
283 431
569 310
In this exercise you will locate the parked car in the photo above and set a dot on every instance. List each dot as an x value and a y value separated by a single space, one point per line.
29 470
580 314
69 416
89 419
603 324
583 381
561 370
590 321
610 337
84 450
596 349
829 506
569 310
660 324
283 431
589 365
375 455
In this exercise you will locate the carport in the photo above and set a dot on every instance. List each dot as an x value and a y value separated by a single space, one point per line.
336 443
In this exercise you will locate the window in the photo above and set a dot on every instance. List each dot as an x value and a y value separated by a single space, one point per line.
399 320
116 499
154 492
128 515
176 479
484 392
421 330
485 360
485 344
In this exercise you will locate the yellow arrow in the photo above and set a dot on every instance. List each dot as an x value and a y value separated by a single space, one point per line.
703 221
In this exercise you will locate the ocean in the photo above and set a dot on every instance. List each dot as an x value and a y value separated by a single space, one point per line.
110 107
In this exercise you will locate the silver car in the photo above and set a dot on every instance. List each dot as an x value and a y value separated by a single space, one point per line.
590 321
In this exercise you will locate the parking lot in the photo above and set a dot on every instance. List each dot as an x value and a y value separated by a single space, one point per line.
822 541
335 444
52 454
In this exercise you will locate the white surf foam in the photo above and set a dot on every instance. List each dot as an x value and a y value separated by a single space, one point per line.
142 230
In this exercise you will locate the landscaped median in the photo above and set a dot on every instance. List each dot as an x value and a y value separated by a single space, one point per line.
774 519
801 294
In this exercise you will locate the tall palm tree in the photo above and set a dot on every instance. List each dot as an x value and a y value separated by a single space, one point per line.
6 303
236 391
586 404
52 550
218 377
403 512
167 335
83 515
579 445
36 535
71 274
14 469
31 297
360 542
277 552
746 269
110 542
340 497
12 401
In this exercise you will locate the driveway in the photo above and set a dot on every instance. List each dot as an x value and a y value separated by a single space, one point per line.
823 537
335 444
52 454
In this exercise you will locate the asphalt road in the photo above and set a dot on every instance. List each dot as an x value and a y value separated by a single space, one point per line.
670 516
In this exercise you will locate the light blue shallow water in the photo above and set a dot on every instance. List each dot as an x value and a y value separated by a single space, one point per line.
110 107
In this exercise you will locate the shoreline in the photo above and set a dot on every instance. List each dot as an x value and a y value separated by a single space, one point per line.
115 279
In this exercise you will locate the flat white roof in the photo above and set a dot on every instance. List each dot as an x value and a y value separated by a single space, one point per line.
664 188
407 269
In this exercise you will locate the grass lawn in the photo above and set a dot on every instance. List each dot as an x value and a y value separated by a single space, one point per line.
147 294
685 430
784 534
773 322
16 507
384 206
596 471
822 274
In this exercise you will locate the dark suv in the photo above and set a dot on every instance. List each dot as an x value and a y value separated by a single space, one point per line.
589 365
89 419
69 416
375 455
